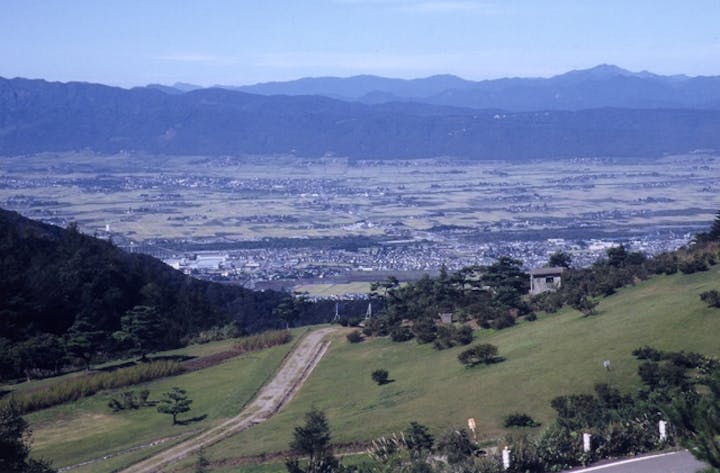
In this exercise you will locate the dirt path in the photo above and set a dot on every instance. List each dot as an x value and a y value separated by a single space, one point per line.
269 400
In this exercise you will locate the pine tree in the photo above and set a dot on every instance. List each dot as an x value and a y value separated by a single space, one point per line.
313 441
174 402
141 328
697 420
14 443
715 228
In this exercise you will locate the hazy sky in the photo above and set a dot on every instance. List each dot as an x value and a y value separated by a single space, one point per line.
127 42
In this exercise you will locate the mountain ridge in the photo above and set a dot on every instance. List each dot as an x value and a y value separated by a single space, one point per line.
604 85
39 116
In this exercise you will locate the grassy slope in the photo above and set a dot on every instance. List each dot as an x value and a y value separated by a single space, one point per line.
72 433
558 354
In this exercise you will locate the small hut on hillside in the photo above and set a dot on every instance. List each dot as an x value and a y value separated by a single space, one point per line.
545 279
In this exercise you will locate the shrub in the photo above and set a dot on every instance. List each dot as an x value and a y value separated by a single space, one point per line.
457 445
262 341
586 306
504 321
693 266
559 449
377 327
519 419
401 334
464 335
129 400
711 298
448 336
350 321
647 353
231 330
354 337
380 376
425 330
485 353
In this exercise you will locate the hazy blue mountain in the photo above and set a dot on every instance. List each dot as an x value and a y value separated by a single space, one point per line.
353 88
37 116
601 86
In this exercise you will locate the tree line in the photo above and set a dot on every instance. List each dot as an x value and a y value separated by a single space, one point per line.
70 299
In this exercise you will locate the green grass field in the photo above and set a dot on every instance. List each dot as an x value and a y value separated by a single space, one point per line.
557 354
76 432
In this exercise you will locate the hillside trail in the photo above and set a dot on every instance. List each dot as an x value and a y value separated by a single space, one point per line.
270 399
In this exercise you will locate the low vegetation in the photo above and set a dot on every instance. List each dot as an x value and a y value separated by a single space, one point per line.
711 298
76 388
380 376
262 341
354 337
519 419
483 353
15 444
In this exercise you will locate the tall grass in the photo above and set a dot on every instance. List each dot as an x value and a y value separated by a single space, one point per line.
76 388
262 341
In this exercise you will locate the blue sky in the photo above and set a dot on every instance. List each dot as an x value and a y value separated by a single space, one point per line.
128 42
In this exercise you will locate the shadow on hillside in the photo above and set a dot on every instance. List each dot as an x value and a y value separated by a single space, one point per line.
128 364
494 361
192 420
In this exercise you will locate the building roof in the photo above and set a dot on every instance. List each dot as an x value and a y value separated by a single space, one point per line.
547 271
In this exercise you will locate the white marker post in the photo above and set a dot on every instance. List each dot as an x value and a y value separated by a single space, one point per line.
586 442
471 426
506 458
662 427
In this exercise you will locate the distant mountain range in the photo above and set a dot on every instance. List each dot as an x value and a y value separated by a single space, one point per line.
38 116
601 86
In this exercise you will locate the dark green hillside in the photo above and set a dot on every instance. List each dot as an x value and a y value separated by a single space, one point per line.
59 287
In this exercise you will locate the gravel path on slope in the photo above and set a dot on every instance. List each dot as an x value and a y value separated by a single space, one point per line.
269 400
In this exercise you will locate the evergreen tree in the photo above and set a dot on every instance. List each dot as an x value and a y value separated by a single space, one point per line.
141 329
714 232
174 402
697 421
560 259
14 443
419 440
312 440
83 340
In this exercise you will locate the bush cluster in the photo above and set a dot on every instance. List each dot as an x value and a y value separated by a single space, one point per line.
483 353
448 336
711 298
129 400
214 334
354 337
519 419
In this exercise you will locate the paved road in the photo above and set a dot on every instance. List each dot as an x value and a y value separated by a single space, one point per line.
271 398
675 462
